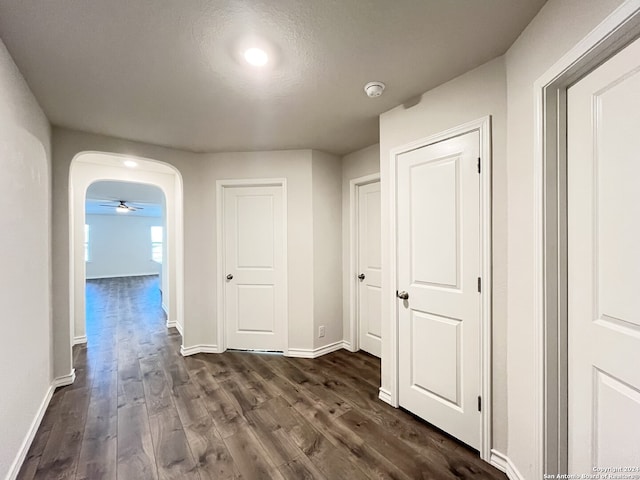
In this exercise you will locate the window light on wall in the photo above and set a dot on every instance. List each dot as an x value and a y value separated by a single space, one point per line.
156 244
87 257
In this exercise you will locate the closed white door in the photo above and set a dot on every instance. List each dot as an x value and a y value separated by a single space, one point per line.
369 271
254 260
603 172
438 265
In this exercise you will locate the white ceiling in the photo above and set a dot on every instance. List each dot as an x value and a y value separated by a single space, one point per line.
101 193
169 72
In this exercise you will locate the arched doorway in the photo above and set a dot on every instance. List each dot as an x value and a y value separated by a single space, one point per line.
88 168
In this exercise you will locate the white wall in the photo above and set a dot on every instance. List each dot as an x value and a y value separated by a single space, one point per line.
471 96
357 164
25 354
295 166
559 26
66 145
327 247
199 174
120 246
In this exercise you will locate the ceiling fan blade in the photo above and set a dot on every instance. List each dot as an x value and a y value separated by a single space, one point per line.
112 206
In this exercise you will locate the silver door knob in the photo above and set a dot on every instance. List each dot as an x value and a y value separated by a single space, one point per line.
361 276
402 295
229 277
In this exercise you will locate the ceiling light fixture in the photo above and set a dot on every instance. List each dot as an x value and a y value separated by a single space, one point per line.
122 209
256 57
130 163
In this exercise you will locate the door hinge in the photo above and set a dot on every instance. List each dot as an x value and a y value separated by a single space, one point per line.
478 164
479 285
479 403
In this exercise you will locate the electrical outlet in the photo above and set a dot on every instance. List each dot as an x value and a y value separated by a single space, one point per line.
321 331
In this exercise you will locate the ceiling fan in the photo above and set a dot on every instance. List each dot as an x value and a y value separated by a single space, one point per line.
122 207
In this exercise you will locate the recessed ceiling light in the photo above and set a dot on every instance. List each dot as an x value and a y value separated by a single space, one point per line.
256 57
130 163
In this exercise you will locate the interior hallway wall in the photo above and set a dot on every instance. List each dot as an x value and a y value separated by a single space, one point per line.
25 273
557 28
120 246
327 248
200 173
66 144
357 164
295 166
469 97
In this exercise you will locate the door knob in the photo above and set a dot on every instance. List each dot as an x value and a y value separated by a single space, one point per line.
402 295
229 277
361 276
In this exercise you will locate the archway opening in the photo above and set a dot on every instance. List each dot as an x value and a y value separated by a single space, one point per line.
155 189
125 253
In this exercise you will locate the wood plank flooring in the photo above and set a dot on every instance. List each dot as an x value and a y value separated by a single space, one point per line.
139 410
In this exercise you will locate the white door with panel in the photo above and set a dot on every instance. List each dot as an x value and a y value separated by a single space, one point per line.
254 261
603 205
369 270
438 267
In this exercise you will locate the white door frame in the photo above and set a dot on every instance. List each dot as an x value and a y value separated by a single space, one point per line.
354 213
483 126
550 235
220 270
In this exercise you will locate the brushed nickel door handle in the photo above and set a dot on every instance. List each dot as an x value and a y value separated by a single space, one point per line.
402 295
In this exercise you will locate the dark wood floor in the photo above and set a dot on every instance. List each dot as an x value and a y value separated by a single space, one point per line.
139 410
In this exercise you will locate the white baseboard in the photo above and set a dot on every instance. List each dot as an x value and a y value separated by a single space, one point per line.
15 467
504 464
385 396
315 353
176 325
79 340
198 349
499 460
64 380
122 275
347 346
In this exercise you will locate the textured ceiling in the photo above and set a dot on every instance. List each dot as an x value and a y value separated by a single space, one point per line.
170 73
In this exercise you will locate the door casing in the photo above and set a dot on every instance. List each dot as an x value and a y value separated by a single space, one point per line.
354 327
550 224
483 126
220 270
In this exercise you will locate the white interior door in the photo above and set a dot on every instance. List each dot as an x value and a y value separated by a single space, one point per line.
438 265
603 189
369 270
254 259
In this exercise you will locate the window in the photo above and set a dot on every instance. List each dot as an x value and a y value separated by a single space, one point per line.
87 257
156 244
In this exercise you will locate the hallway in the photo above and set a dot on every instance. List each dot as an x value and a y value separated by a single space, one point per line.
139 410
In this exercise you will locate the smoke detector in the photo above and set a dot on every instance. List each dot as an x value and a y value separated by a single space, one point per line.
374 89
